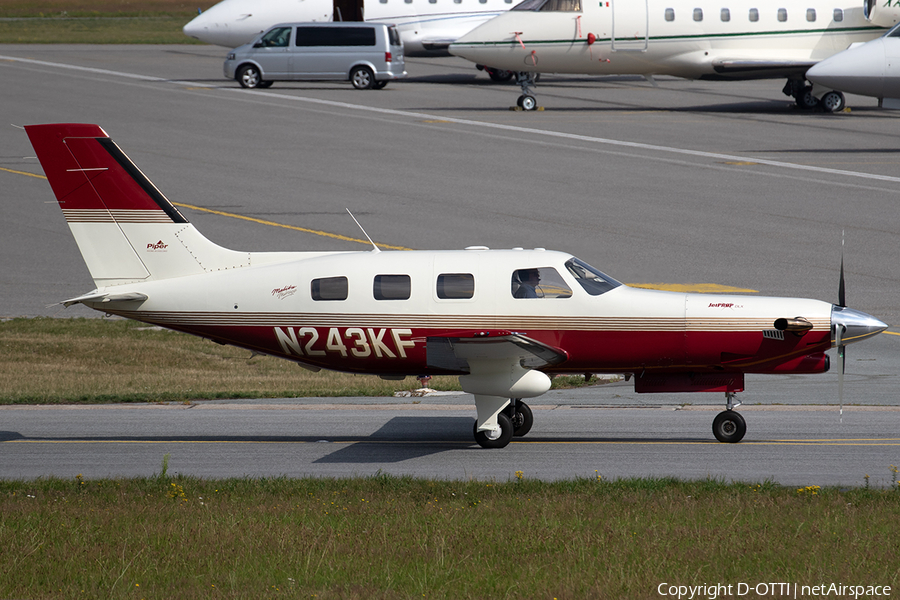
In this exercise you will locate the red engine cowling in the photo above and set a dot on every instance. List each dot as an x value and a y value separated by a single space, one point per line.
812 363
884 13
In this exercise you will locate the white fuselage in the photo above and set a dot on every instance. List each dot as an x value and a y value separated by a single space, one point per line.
727 39
425 26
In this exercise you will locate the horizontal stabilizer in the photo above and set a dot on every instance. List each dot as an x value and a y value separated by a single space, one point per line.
94 297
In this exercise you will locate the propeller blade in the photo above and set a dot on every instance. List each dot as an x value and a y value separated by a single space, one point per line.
838 339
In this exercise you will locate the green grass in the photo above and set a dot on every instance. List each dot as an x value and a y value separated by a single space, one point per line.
53 361
96 21
396 537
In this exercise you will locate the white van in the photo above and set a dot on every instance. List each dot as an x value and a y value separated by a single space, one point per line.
367 54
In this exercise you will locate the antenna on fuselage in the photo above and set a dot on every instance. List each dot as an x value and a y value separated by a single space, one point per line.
374 247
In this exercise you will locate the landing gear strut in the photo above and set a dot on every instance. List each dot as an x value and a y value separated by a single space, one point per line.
729 426
514 419
526 82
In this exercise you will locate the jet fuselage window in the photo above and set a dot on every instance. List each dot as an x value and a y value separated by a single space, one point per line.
593 281
328 288
698 14
782 14
391 287
670 14
725 15
754 15
838 15
539 282
810 14
455 286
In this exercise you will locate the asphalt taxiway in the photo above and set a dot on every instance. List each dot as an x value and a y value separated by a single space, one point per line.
678 182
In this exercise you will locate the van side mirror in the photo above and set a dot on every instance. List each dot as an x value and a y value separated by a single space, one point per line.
258 45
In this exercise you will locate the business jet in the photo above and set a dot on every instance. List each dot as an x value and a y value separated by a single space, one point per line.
870 69
504 321
426 27
694 39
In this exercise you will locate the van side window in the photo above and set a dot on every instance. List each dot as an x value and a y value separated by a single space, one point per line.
539 282
277 38
328 288
335 36
455 286
391 287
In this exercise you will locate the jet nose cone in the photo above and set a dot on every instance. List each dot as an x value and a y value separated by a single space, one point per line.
857 70
196 26
857 325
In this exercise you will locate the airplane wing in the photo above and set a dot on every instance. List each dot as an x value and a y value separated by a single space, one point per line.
745 68
455 353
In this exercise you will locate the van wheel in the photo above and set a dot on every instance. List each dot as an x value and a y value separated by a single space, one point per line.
378 85
264 84
362 78
249 76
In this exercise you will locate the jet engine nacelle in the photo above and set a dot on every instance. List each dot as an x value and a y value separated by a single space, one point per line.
884 13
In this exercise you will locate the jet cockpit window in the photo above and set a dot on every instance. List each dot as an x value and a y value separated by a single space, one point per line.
328 288
894 31
277 38
549 5
539 282
593 281
391 287
455 286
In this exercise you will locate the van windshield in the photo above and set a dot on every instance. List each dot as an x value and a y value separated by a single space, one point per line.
277 38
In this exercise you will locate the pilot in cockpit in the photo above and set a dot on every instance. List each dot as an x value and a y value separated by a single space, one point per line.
526 282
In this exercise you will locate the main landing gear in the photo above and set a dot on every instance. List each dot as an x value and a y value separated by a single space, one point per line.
806 97
513 421
729 426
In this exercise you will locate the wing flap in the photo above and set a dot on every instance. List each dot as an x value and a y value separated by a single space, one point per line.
455 353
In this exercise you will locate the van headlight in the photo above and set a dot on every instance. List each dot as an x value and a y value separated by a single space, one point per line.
230 56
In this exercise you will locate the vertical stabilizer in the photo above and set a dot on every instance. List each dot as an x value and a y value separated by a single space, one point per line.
125 228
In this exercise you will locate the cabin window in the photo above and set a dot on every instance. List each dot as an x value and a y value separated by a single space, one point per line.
483 1
725 15
432 1
810 14
698 14
838 15
593 281
383 1
328 288
391 287
670 14
782 14
539 282
457 1
455 286
754 15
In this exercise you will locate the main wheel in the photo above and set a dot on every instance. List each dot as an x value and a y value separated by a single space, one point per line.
495 439
498 75
832 102
362 78
522 419
249 76
729 427
529 102
805 99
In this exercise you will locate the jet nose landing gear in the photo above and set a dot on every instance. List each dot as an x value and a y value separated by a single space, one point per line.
526 82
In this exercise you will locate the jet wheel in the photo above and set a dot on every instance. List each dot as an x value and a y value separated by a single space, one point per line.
805 98
495 439
832 102
522 419
729 427
528 102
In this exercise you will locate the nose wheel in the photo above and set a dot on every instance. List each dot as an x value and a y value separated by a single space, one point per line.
526 82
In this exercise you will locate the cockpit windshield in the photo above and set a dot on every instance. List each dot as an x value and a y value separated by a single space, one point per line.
893 31
549 5
593 281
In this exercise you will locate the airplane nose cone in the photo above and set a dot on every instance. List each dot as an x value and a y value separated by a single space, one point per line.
857 70
857 325
196 26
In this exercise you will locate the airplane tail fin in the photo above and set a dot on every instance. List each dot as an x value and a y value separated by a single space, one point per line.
126 229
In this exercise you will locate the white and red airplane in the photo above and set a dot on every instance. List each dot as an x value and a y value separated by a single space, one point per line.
504 321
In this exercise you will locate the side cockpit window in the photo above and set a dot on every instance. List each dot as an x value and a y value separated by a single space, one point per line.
539 282
593 281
